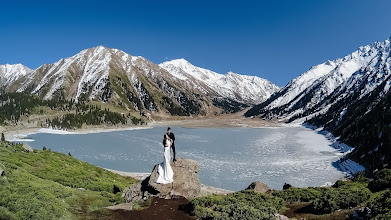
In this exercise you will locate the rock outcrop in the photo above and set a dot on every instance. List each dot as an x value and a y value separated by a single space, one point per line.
281 217
186 183
210 190
259 187
27 148
287 186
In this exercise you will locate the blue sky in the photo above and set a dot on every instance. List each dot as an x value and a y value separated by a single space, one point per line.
277 40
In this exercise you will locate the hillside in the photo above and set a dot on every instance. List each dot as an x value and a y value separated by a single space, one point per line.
50 185
31 111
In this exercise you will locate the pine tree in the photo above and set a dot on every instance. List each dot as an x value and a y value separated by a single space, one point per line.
2 137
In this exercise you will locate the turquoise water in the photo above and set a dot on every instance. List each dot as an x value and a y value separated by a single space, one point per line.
230 158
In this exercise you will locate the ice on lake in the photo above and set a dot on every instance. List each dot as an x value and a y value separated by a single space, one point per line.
230 158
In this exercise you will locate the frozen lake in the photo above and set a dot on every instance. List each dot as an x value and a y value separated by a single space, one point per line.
230 158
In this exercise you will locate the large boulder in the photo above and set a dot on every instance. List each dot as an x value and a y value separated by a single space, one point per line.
186 183
27 148
286 186
281 217
259 187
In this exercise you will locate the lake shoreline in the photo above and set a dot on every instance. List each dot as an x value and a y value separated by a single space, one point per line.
17 133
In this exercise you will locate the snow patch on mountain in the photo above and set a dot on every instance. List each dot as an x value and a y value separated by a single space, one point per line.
96 70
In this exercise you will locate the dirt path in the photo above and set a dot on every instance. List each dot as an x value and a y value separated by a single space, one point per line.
160 209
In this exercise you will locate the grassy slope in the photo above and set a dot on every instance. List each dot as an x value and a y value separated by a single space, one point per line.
45 185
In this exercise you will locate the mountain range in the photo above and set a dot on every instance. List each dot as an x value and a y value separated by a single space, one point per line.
136 84
349 97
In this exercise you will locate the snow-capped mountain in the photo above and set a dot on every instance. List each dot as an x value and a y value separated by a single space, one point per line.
241 88
114 77
349 97
312 87
359 111
10 73
134 83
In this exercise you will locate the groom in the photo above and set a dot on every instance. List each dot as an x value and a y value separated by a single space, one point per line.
172 137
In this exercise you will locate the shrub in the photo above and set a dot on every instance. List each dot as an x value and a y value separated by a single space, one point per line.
339 183
294 194
360 177
348 194
380 205
142 204
238 205
381 180
5 214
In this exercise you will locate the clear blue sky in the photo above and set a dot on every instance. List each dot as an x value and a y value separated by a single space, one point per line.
277 40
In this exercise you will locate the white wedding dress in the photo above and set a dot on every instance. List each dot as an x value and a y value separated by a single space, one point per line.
165 171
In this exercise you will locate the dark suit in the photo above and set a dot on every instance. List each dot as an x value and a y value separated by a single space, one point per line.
172 137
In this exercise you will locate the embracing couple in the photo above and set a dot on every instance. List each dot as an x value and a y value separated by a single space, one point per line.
166 174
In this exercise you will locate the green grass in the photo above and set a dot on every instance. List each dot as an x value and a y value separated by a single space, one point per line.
140 205
238 205
45 185
293 194
382 180
42 110
380 204
348 195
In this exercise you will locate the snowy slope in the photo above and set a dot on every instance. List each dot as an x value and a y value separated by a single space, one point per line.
10 73
242 88
360 112
314 86
91 63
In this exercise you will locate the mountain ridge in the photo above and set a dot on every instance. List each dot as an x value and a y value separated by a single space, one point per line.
235 86
135 84
352 101
320 81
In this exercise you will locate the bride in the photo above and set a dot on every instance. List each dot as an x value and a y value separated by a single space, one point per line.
165 171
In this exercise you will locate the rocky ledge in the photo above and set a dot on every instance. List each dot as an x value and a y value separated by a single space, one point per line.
186 183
